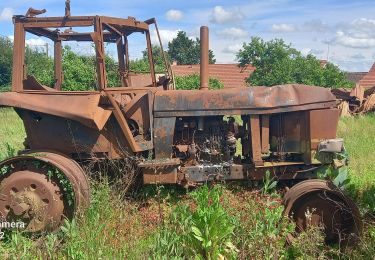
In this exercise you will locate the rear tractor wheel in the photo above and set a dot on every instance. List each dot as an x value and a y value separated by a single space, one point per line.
39 191
320 203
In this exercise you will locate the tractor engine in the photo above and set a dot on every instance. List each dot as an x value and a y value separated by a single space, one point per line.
206 140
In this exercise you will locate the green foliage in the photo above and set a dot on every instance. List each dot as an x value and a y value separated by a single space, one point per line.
63 182
79 71
12 133
262 230
204 231
193 82
157 56
359 135
112 70
278 63
308 245
268 183
40 66
186 51
6 62
336 170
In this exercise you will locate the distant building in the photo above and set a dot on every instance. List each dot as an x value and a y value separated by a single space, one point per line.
355 77
231 75
368 80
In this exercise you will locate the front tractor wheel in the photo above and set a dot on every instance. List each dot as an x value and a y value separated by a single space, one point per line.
320 203
30 197
40 190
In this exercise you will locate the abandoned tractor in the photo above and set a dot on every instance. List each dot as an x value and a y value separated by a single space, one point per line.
181 137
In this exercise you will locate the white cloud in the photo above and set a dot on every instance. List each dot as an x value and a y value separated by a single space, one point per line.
360 33
165 35
32 42
357 56
283 27
6 14
306 51
352 65
316 52
221 15
232 48
349 40
36 42
234 33
173 15
315 26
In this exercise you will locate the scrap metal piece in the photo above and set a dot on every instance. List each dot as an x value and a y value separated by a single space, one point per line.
34 12
331 145
67 8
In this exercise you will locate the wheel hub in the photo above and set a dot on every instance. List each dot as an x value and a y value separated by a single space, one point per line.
30 197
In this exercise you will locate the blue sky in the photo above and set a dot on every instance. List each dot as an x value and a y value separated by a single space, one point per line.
342 31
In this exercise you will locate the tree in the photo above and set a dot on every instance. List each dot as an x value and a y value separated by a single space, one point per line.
157 56
193 82
6 47
186 51
278 63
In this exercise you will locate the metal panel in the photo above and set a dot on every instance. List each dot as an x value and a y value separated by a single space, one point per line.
259 100
18 57
163 136
265 119
256 149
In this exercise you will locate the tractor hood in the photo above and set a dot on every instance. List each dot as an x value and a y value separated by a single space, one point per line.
237 101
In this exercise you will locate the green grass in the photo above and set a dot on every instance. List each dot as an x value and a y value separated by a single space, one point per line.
12 132
359 137
158 221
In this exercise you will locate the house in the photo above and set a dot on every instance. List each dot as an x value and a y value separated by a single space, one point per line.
231 75
368 80
355 77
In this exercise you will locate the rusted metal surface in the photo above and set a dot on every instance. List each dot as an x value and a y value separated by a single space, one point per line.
255 100
82 107
204 58
67 166
320 203
30 194
255 137
265 121
355 101
164 133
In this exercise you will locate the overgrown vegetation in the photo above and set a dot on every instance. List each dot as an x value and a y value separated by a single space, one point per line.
160 222
193 82
278 63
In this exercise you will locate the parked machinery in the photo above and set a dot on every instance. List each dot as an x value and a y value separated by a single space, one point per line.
182 137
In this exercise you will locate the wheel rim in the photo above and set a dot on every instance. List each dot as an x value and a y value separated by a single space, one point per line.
320 203
325 210
32 198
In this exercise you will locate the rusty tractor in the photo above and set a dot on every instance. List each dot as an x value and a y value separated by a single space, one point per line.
181 137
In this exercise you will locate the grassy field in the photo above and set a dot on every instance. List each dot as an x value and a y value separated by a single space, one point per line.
225 222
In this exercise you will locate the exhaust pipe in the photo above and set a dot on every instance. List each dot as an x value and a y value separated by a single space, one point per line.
204 73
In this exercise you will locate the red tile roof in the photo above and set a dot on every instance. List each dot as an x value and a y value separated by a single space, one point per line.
231 75
355 76
368 80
